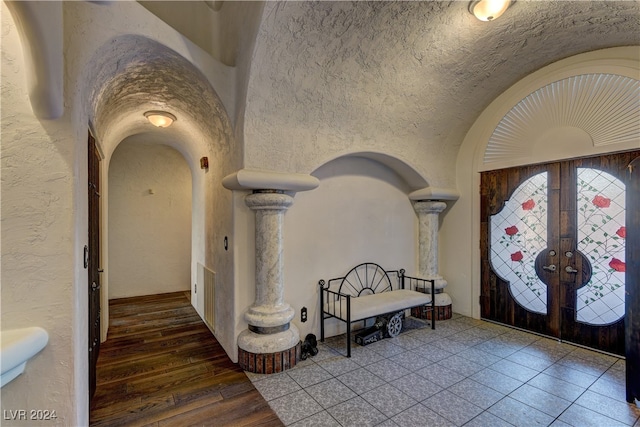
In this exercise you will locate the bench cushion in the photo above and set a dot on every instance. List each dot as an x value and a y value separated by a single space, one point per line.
373 305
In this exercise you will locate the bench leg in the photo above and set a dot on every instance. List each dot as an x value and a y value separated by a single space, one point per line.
348 340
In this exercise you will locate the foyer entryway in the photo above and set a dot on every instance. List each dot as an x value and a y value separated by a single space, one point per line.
553 240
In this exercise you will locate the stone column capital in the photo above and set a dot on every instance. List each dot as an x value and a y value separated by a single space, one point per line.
268 200
429 206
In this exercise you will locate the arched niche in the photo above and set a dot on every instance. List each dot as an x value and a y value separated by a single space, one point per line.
404 170
360 212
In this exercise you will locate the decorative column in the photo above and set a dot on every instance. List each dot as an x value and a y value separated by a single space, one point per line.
428 204
271 343
428 213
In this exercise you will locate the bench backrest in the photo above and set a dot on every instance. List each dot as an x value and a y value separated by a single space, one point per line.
366 279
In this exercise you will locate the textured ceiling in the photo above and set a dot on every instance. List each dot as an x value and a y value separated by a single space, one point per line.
326 79
134 74
407 78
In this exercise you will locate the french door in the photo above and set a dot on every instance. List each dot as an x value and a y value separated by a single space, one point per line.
553 239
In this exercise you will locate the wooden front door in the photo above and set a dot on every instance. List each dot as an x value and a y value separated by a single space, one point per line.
553 239
93 262
632 336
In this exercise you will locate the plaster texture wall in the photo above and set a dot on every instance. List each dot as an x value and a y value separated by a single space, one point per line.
404 78
149 220
38 241
361 212
44 64
45 179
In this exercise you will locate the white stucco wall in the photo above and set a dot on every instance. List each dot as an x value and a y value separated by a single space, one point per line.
360 213
44 188
39 248
149 220
318 90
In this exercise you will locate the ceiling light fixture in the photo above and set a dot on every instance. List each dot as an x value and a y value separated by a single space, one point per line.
488 10
161 119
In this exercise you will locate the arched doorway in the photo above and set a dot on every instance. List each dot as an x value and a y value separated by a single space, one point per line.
126 77
553 234
150 205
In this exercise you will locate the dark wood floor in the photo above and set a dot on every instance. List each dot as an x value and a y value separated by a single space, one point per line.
161 366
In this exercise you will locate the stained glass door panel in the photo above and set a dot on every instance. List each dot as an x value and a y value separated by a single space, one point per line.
516 231
518 235
594 208
601 234
554 248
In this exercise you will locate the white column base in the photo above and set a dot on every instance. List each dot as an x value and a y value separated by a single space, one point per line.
442 300
269 316
268 343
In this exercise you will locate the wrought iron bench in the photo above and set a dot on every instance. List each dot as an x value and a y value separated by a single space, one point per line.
369 291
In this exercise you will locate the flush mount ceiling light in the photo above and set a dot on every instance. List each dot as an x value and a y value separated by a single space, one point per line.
161 119
488 10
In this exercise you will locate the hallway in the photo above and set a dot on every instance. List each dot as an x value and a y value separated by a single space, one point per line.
161 366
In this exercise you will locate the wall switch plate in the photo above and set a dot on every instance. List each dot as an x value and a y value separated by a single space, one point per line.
303 314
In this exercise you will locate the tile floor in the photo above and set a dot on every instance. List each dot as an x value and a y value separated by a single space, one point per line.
466 372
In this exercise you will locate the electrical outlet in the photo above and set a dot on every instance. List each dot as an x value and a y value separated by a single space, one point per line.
303 314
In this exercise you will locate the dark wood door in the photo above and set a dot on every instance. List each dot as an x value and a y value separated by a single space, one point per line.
632 335
553 249
93 261
498 301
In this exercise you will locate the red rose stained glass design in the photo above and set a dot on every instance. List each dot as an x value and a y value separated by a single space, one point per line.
528 205
618 265
601 202
601 235
518 234
511 231
517 256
